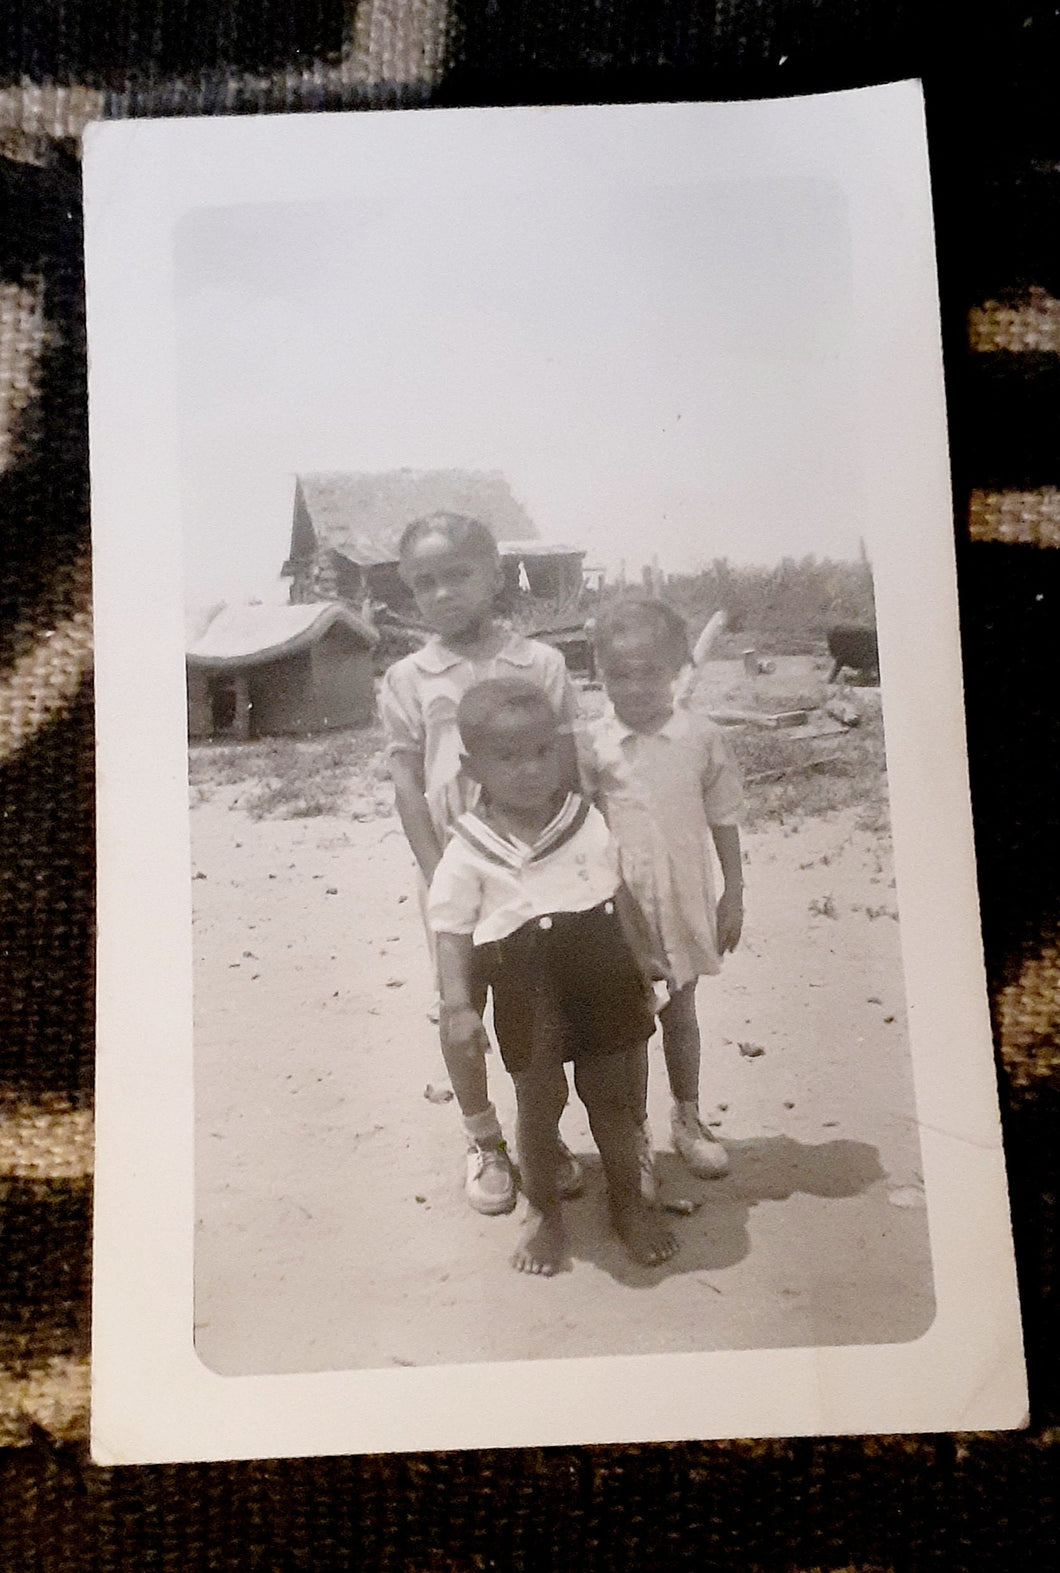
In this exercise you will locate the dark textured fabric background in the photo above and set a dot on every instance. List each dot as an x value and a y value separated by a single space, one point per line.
947 1502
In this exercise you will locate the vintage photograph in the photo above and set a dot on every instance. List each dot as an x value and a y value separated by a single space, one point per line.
462 486
541 994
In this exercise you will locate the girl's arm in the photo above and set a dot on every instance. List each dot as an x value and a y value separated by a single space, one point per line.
730 903
461 1023
406 771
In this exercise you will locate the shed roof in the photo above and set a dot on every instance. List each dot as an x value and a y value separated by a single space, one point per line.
362 515
251 635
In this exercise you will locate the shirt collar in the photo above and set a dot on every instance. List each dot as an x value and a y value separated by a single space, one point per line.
675 726
435 657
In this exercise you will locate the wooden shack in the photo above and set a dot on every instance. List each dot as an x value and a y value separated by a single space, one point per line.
346 528
260 671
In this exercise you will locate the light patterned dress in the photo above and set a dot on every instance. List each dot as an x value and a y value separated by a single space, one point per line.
662 793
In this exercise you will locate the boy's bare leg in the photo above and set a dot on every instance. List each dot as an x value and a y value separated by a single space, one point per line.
638 1079
541 1093
603 1084
638 1092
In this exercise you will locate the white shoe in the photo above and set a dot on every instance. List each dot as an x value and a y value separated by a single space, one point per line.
649 1187
698 1146
490 1183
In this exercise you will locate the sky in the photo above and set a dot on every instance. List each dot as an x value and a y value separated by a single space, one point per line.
659 372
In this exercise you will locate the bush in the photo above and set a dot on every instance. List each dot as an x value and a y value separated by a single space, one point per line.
786 609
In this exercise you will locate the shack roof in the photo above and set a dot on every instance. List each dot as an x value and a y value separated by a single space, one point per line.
251 635
362 515
538 549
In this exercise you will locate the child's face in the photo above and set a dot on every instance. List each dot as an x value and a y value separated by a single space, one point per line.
517 762
453 589
639 677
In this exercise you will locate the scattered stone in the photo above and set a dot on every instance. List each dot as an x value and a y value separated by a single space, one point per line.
826 1123
248 955
438 1094
888 1018
823 907
788 1103
203 876
395 983
332 890
751 1051
401 899
724 1107
874 999
683 1207
846 714
906 1196
421 1198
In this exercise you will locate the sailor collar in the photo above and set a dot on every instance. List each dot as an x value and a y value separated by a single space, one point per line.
510 851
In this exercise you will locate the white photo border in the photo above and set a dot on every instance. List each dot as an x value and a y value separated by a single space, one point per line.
153 1398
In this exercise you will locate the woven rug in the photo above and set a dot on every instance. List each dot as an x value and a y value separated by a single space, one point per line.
886 1503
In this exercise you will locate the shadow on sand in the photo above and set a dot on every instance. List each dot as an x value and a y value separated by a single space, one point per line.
771 1168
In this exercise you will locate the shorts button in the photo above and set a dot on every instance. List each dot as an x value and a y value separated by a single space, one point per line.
545 923
609 907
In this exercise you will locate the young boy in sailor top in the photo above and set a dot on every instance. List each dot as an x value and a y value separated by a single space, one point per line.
528 902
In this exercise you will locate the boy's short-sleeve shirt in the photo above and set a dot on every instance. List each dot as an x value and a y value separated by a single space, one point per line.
418 700
488 885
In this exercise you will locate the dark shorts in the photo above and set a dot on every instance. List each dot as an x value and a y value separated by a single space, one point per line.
565 984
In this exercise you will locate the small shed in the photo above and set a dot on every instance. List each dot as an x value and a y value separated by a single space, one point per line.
259 671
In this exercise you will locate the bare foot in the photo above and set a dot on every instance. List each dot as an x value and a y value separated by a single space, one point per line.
644 1233
542 1247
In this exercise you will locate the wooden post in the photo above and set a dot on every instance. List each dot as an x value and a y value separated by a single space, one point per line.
241 722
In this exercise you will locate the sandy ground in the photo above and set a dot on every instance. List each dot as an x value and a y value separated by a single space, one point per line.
332 1230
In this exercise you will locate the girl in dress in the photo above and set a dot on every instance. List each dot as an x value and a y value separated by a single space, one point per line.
671 793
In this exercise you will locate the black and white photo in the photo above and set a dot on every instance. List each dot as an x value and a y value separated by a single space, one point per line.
540 987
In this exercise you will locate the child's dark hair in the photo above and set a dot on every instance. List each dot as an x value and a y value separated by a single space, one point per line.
633 614
480 706
464 534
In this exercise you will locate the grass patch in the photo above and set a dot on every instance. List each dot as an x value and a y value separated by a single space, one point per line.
340 773
789 779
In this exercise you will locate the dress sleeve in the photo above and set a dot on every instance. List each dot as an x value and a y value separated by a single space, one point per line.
401 713
557 684
722 788
454 902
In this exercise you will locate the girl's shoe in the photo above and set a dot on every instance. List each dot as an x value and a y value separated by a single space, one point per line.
490 1183
698 1146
